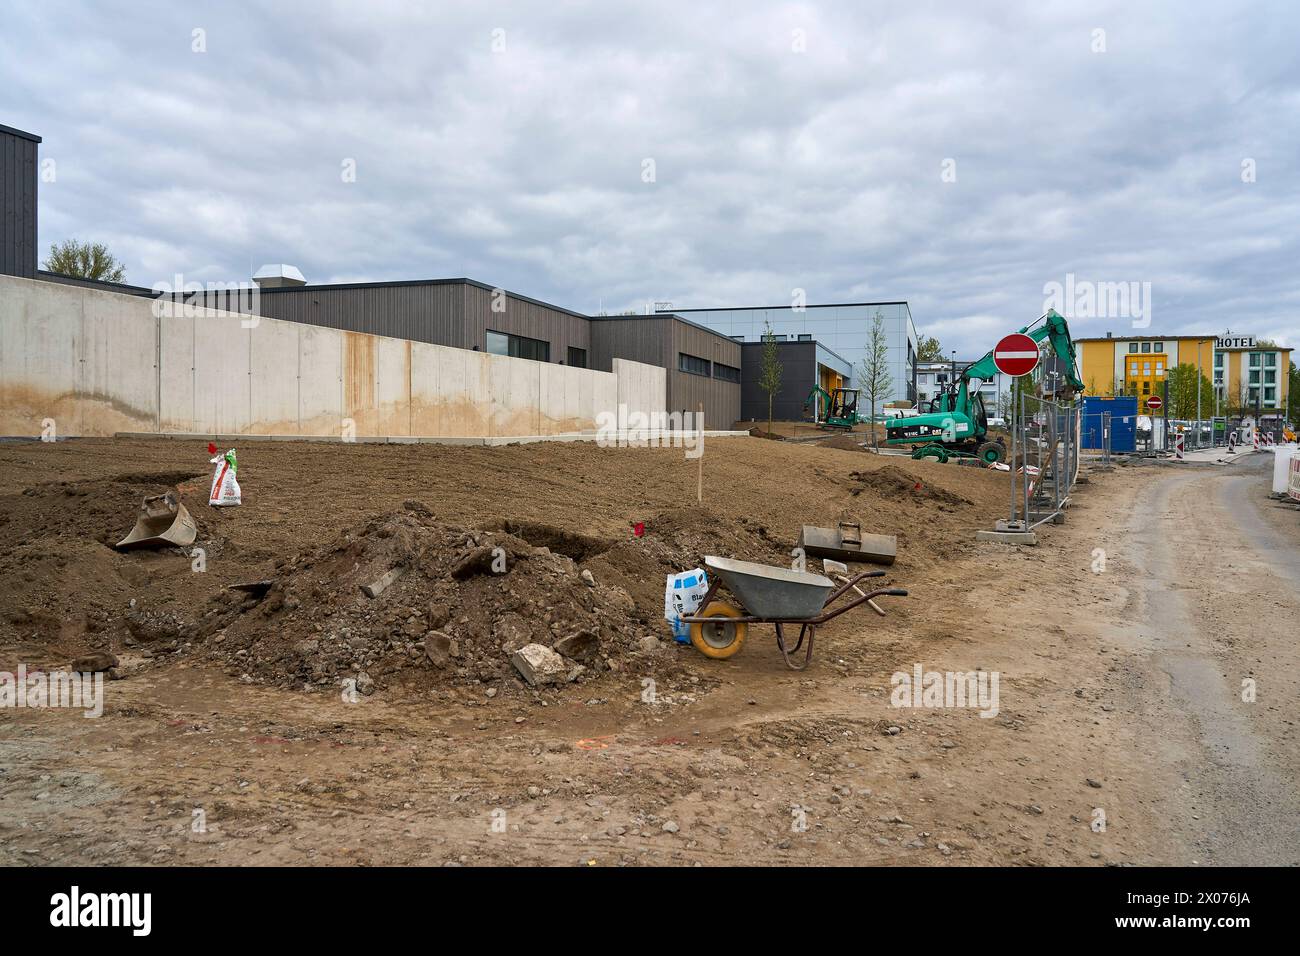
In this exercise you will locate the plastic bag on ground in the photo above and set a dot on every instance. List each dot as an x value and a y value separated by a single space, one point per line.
683 594
225 488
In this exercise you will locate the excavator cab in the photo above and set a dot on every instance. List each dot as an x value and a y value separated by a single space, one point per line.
844 403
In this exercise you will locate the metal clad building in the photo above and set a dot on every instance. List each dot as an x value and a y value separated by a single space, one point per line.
18 179
844 328
455 312
803 366
704 366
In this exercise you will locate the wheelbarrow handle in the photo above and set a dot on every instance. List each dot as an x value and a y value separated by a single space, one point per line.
895 592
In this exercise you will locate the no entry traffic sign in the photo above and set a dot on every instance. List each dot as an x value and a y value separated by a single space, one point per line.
1015 354
1154 402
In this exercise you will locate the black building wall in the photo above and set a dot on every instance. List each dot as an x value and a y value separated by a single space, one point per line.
18 178
798 376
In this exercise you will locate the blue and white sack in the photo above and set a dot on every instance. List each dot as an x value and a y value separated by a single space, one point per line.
683 595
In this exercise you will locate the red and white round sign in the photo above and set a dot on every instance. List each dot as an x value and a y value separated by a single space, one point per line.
1015 354
1154 402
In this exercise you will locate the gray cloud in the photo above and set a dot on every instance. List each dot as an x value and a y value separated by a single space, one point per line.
775 170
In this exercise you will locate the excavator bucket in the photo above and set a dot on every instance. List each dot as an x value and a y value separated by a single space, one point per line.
163 521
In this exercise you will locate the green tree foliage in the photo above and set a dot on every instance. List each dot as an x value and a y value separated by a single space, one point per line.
1182 392
84 260
928 349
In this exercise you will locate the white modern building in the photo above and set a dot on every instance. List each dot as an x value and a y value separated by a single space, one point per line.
932 377
844 328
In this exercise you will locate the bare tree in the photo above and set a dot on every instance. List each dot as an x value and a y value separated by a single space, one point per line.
770 380
877 383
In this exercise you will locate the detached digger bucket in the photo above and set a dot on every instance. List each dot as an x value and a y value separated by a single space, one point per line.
163 521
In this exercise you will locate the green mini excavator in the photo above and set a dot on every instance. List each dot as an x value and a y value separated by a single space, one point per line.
837 409
955 424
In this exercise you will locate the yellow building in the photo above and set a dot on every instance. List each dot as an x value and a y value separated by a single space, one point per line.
1243 375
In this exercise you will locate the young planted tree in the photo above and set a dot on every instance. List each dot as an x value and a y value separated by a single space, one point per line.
1183 381
770 380
877 383
84 260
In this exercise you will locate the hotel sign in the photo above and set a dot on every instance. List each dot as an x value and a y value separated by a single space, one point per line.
1235 342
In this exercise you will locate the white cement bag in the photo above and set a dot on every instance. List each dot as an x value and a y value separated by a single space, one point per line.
683 594
225 489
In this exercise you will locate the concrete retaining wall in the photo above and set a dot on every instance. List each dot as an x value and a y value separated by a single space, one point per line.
98 363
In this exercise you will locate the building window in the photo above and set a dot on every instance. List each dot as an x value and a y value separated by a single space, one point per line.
1270 376
1254 359
1146 388
1158 347
1146 346
1132 346
577 357
727 373
1254 376
518 346
692 364
805 337
1270 396
1270 360
1218 360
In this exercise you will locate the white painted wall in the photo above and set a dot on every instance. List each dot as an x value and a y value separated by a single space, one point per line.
101 362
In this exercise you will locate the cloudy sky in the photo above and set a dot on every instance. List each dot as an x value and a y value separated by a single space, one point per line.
597 155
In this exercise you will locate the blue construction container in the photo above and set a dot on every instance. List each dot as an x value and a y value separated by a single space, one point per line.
1123 411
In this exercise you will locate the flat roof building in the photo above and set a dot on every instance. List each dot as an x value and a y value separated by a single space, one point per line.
843 328
1244 374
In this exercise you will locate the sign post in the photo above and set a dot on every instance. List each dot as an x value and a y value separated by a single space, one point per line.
1016 355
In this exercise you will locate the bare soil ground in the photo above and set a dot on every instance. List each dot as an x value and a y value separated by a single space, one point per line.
651 754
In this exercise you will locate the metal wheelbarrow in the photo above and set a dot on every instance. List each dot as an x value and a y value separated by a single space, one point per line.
771 595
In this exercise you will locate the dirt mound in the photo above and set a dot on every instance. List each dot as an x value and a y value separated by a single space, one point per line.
844 442
450 604
892 481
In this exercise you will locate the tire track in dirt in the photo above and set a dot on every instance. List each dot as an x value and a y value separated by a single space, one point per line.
1236 807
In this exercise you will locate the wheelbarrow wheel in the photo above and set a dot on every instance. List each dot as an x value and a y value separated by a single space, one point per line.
722 638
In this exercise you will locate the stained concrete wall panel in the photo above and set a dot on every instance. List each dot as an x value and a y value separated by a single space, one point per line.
116 365
176 374
320 381
222 402
566 400
274 346
39 332
641 387
449 392
376 384
514 391
392 387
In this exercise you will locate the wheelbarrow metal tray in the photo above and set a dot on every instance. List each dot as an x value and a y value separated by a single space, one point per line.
771 592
